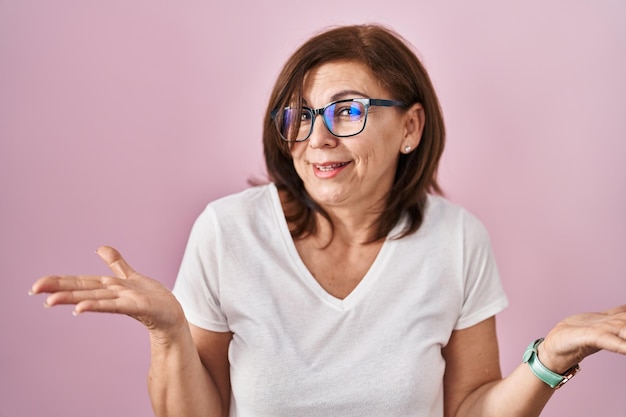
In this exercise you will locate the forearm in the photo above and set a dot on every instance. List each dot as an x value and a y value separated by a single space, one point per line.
521 394
178 383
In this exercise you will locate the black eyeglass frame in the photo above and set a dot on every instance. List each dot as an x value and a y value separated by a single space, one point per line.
366 102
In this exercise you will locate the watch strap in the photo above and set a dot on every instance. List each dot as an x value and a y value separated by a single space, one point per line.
553 379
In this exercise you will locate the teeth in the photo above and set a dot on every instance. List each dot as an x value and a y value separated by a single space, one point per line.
326 168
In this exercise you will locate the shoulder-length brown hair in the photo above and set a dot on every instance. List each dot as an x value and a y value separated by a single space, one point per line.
392 61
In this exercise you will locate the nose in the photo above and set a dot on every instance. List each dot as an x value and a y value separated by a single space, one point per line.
320 135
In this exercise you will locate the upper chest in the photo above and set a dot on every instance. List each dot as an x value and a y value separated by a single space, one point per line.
337 268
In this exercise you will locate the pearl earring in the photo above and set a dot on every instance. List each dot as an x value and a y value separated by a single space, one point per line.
407 149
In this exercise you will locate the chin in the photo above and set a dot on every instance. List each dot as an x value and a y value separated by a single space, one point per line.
327 198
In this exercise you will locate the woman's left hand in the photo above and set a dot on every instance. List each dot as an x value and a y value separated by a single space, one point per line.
581 335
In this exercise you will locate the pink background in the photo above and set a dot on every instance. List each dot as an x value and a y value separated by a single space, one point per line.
121 119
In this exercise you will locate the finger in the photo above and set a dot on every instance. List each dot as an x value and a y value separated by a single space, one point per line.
613 343
55 283
616 310
114 260
75 297
114 305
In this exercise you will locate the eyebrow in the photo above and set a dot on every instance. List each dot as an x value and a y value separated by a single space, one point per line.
343 94
346 94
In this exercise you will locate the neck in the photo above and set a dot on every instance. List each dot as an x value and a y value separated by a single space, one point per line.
349 226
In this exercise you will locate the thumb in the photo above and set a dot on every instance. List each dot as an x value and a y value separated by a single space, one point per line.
114 260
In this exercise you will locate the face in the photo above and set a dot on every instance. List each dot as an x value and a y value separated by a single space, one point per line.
354 172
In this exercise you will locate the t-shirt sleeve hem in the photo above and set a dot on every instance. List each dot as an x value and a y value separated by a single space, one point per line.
205 324
484 313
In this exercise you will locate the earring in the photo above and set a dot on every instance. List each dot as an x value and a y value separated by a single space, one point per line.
407 149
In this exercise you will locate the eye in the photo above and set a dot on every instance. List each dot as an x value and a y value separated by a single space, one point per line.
351 110
305 116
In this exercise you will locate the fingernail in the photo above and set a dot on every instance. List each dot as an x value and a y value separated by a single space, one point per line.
31 292
75 313
46 305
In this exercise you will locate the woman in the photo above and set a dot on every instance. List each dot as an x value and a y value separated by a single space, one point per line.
346 286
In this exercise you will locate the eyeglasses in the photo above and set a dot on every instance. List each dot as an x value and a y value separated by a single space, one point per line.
342 118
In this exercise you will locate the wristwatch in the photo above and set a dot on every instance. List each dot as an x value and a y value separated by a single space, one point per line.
553 379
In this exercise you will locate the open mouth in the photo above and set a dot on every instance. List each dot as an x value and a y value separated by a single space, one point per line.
331 167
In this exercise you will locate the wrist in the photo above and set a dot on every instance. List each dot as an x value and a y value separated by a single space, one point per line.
554 379
171 336
550 361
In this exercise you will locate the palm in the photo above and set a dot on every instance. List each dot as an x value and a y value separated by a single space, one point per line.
128 292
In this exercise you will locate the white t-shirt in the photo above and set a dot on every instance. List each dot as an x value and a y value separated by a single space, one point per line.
297 350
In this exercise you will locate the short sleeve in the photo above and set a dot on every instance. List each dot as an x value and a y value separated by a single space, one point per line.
483 293
197 284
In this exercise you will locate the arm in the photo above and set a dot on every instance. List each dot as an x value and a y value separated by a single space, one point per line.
472 383
181 380
189 373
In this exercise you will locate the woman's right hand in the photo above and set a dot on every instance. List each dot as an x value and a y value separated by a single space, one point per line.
128 292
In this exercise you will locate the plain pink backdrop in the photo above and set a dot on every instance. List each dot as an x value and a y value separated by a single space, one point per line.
120 120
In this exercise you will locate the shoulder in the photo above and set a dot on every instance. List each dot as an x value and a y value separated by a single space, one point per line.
249 203
246 199
449 225
248 210
442 213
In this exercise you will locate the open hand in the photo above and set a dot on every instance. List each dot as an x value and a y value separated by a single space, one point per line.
581 335
128 292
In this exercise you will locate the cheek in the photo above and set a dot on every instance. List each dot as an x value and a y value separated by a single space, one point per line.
297 149
377 150
382 157
297 152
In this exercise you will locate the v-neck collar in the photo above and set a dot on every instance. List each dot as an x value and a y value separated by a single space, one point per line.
373 274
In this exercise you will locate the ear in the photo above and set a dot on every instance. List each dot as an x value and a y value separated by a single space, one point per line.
414 121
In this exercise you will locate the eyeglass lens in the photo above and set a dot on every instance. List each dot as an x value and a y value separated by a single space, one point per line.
344 118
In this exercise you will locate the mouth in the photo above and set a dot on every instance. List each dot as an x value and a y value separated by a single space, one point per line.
330 166
328 170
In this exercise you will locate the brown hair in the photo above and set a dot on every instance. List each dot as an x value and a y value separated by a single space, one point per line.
391 60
